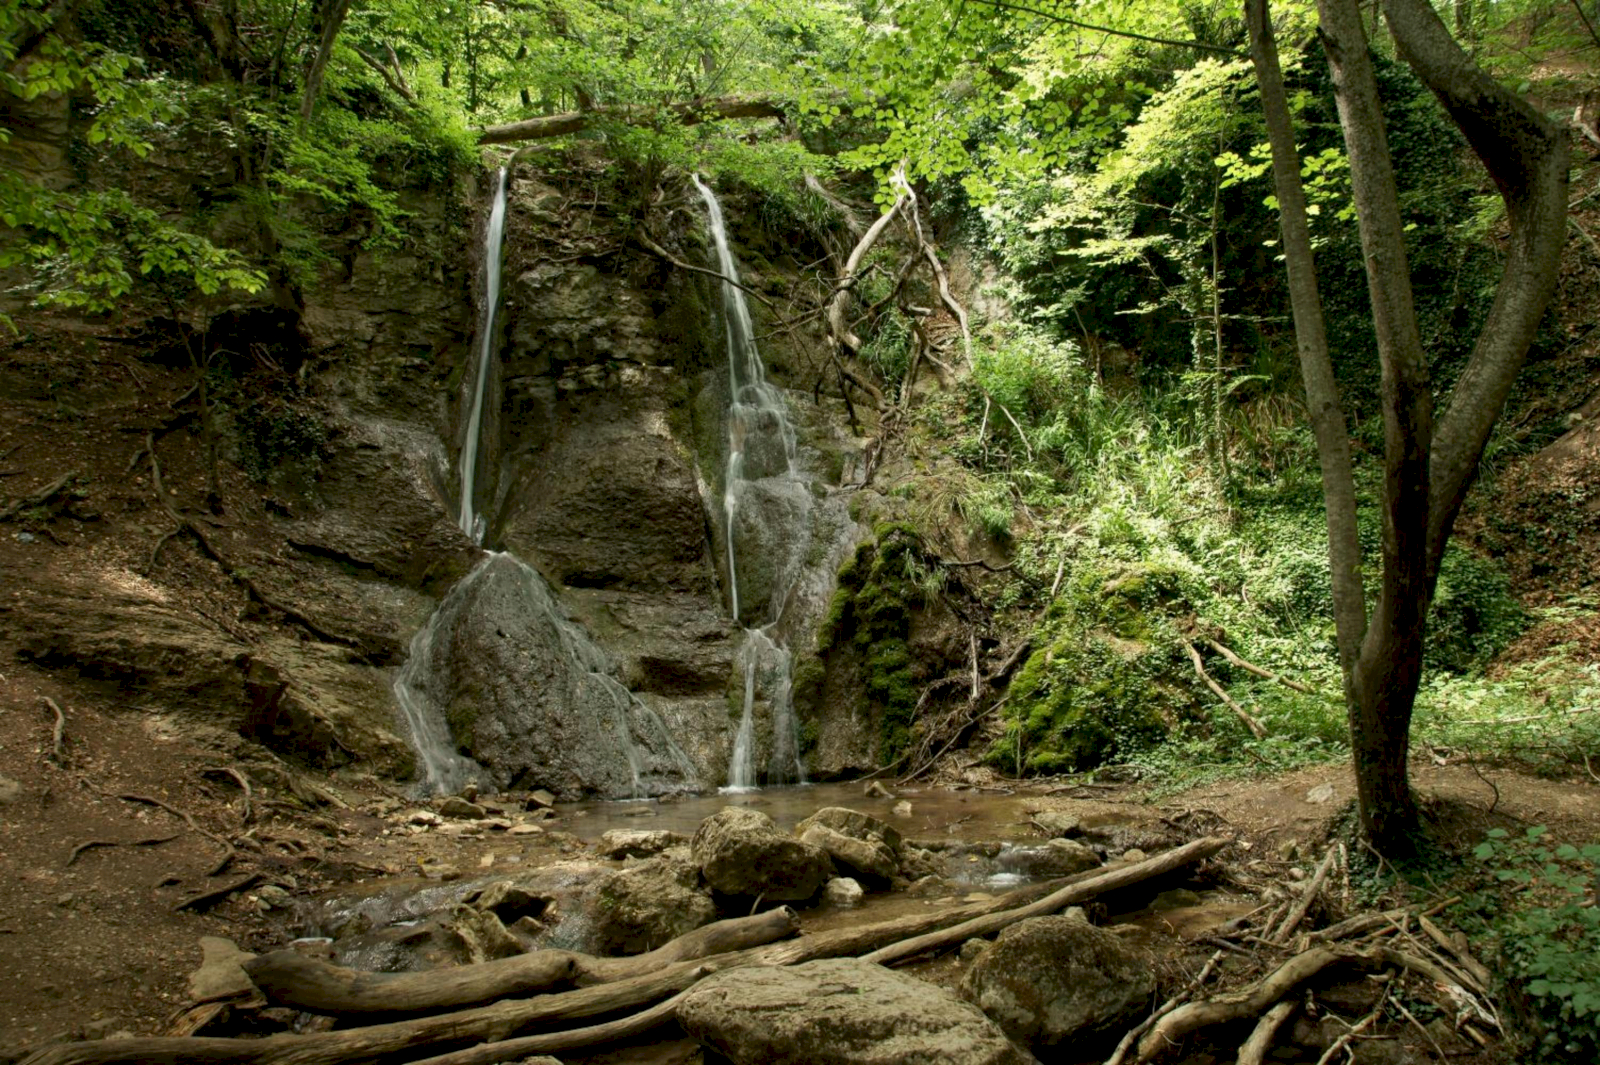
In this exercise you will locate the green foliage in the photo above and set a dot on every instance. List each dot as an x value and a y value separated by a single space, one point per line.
1548 938
1474 614
878 589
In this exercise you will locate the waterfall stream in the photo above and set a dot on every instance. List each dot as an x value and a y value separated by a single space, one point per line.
517 598
761 448
494 249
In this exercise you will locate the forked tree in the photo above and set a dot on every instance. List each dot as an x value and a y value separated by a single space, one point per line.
1429 463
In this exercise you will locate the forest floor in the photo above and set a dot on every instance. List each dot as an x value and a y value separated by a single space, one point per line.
95 943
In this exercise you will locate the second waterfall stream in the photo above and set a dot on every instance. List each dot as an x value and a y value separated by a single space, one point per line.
761 449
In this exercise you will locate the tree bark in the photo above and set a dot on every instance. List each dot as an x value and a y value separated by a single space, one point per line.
688 113
333 16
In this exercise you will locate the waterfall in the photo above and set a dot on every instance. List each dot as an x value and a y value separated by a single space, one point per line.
494 241
761 447
576 668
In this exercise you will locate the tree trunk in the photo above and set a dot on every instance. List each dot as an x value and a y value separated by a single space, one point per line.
332 20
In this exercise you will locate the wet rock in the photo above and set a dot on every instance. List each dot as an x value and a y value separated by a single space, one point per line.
508 900
855 824
455 806
741 852
1049 980
843 892
483 936
839 1012
540 799
916 863
876 790
642 907
902 808
525 829
1059 857
637 842
867 858
533 698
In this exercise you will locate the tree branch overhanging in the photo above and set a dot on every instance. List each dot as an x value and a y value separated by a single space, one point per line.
687 113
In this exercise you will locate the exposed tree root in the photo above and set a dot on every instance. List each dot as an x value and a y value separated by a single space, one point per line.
39 498
90 844
58 732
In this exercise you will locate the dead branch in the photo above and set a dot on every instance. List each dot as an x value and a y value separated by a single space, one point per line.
557 1042
58 733
1251 667
1257 729
1338 1045
1254 1051
289 978
651 246
688 113
1297 912
1126 1044
392 75
839 335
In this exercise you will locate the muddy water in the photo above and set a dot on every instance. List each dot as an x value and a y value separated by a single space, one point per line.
936 813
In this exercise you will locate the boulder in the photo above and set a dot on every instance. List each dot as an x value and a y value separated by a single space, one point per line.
642 907
741 852
855 824
1059 857
10 790
456 806
839 1012
1049 980
637 842
1057 823
867 858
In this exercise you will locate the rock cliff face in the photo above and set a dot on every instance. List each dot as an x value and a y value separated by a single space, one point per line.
602 468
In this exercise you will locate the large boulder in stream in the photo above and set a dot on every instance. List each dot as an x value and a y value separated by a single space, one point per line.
741 852
643 906
532 698
1049 980
839 1012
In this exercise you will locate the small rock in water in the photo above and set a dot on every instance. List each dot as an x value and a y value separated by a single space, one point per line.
486 862
540 799
843 891
902 808
876 790
470 792
637 842
525 829
1057 823
456 806
440 871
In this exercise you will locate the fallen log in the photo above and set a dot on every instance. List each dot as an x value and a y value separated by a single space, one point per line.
687 113
505 1019
289 978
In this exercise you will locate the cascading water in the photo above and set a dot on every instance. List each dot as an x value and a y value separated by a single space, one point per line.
494 246
506 597
761 448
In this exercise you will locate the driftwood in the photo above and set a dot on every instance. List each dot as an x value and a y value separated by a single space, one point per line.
289 978
507 1018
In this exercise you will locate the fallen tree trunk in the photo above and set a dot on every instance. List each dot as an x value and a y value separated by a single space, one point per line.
503 1020
688 113
289 978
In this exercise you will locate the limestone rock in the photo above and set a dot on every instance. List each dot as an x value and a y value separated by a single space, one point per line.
637 842
902 808
1047 980
916 863
867 858
10 791
1059 857
220 975
642 907
741 852
843 892
1057 823
483 936
856 824
839 1012
456 806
